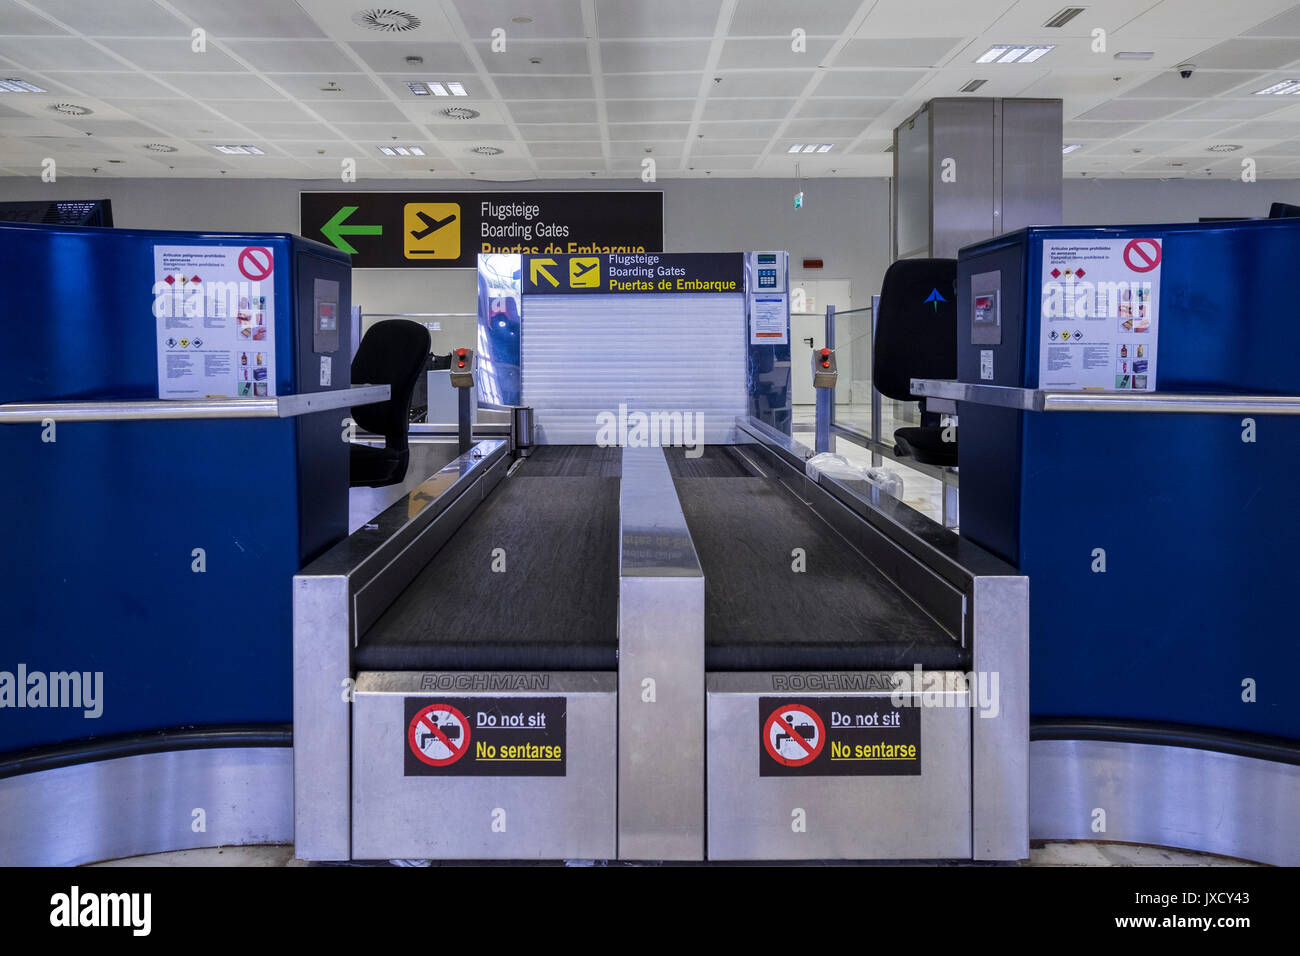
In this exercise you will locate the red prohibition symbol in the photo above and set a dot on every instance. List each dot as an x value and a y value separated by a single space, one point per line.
797 725
256 263
1142 255
439 735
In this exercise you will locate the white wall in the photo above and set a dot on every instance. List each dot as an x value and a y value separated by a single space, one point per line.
1139 201
844 222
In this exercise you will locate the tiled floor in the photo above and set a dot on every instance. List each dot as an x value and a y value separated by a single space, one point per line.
1041 854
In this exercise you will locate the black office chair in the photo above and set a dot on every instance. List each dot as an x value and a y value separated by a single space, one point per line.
916 337
393 353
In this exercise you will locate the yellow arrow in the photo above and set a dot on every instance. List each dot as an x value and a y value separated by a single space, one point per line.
539 265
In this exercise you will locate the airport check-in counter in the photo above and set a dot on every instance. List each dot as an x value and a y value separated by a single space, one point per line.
1127 399
657 653
172 405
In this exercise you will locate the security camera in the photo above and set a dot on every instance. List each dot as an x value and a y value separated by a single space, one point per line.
1185 70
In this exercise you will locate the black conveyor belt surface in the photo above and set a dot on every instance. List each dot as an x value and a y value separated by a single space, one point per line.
760 615
556 605
710 461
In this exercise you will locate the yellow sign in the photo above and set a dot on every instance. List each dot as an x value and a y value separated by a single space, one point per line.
538 267
584 272
431 230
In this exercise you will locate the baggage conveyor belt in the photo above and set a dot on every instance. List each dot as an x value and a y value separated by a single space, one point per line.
840 613
554 608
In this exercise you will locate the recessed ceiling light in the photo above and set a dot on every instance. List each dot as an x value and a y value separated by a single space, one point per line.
1070 148
401 150
1009 53
811 148
460 113
239 150
71 109
160 147
1134 55
487 150
1223 147
1280 89
386 20
14 85
972 86
437 88
1064 16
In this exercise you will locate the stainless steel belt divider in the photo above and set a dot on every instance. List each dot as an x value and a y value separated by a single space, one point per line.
660 670
887 764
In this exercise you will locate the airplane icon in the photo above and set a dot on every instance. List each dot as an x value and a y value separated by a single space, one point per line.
431 225
584 273
580 270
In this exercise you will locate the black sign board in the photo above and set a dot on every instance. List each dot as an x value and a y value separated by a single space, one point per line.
635 273
449 230
485 737
837 737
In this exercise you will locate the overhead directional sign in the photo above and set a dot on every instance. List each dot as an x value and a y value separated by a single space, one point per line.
636 272
383 230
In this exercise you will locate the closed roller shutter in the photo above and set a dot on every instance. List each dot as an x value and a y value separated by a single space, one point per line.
582 356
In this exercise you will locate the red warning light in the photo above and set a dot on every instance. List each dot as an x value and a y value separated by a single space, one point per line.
825 352
461 352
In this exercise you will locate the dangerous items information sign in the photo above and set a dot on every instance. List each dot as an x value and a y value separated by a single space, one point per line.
837 737
485 737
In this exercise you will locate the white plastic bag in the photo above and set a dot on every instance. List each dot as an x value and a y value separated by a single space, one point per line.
837 466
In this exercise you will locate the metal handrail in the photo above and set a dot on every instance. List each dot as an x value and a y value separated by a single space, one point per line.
279 406
1046 400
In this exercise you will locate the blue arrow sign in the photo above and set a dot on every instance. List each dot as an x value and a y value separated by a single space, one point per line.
936 298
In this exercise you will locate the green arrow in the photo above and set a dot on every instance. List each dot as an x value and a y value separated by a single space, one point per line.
334 230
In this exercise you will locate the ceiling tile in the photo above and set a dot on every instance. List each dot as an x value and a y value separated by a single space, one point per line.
745 129
741 109
294 131
741 54
375 132
19 21
389 57
652 56
553 111
1200 85
294 56
776 18
1248 54
171 55
232 86
728 147
1235 108
116 86
344 112
117 18
557 131
1118 110
825 130
649 111
557 56
844 106
58 53
895 52
261 111
565 148
249 18
867 82
545 87
662 18
622 132
551 19
309 87
763 83
651 86
1284 25
472 132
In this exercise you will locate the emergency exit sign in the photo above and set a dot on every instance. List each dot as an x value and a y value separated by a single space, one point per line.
449 230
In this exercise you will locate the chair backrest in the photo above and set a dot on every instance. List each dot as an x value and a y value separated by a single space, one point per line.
395 353
916 327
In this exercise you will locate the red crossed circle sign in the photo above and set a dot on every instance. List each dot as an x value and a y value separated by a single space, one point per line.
792 723
1142 255
256 263
439 735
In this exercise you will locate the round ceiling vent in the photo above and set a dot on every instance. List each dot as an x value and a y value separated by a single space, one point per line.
386 21
71 109
487 150
160 147
460 112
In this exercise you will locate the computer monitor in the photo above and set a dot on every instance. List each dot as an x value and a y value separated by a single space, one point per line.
87 212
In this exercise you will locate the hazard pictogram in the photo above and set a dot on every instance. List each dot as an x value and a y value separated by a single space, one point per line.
794 735
256 263
439 735
1142 255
